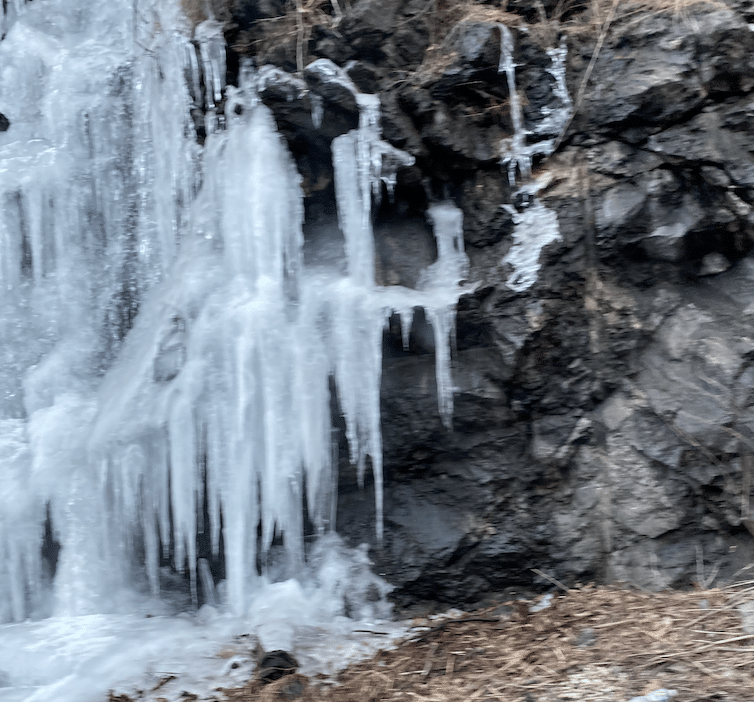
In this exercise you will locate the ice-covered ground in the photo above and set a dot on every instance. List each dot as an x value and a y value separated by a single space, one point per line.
155 654
77 659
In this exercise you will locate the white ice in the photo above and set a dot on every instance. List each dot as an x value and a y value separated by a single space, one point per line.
164 349
516 152
534 228
81 658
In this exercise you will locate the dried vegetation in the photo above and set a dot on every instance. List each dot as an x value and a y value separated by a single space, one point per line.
592 644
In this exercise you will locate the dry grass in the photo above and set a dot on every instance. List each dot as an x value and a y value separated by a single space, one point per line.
195 11
593 644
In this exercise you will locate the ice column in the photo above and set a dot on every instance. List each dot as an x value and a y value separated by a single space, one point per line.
514 149
358 317
442 283
362 160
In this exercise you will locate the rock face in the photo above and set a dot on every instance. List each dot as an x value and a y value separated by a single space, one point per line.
604 414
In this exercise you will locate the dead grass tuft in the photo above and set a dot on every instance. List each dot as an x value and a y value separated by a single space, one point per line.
195 11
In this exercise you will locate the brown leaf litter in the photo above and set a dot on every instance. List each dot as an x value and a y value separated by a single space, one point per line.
592 644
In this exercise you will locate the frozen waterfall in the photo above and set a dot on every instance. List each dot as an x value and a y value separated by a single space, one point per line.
167 356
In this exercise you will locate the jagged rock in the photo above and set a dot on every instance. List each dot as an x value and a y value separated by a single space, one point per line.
366 26
471 48
716 136
275 665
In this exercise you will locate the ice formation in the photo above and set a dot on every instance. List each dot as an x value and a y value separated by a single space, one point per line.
516 153
166 353
533 229
535 226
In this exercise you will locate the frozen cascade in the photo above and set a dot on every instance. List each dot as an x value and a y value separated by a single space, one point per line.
166 354
78 246
362 161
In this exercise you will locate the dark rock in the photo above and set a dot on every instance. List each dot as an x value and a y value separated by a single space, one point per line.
276 664
326 79
367 25
710 139
466 62
365 76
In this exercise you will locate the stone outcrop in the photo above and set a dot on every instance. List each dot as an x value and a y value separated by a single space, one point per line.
604 416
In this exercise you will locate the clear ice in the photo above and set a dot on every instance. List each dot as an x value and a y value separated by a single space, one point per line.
166 354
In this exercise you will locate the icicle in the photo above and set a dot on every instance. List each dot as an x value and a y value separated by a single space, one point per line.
443 279
317 108
359 320
209 34
21 514
208 584
407 319
516 153
195 85
514 149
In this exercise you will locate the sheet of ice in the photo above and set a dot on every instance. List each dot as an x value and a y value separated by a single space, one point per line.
534 228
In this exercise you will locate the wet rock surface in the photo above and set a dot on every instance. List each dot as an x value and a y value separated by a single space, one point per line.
604 416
